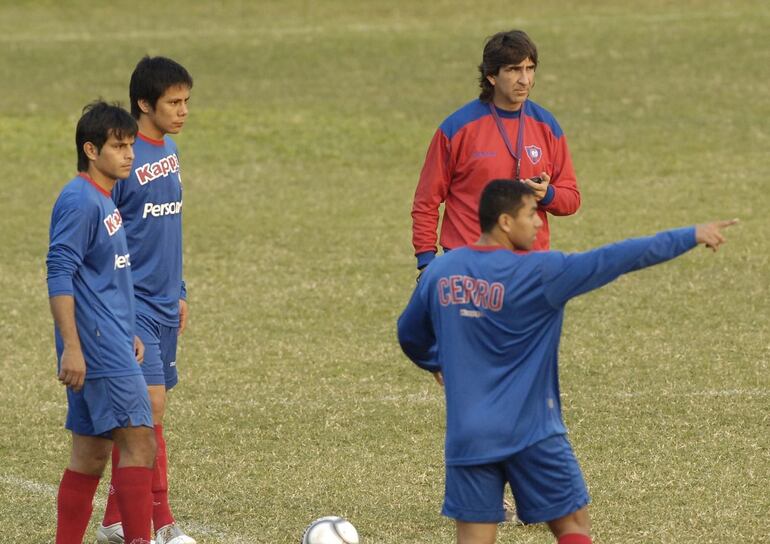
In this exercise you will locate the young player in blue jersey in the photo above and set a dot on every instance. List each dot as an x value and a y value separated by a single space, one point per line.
487 321
92 302
150 202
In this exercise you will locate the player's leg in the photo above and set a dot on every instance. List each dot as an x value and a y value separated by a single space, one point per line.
74 501
135 441
476 533
132 479
148 331
474 499
574 528
167 531
548 487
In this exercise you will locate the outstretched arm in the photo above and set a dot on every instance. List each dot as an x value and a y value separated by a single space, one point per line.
567 276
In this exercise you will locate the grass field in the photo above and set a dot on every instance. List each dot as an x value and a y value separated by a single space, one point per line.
308 128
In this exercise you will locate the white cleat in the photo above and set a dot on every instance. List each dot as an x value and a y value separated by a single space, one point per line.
172 534
510 513
112 534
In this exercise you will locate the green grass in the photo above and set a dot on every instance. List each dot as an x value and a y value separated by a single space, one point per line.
308 129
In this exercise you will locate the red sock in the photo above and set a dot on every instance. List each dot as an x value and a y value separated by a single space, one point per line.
574 538
111 511
161 511
133 486
74 505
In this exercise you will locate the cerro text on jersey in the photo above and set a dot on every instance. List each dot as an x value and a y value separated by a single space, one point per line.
461 289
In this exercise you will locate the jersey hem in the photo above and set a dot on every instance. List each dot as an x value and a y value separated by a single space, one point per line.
499 457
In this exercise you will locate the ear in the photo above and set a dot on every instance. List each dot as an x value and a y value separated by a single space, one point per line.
144 105
505 222
491 80
91 151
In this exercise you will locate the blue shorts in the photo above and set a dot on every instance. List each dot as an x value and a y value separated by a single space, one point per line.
545 478
159 366
104 404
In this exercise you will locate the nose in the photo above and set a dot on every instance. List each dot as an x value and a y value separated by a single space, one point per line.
183 109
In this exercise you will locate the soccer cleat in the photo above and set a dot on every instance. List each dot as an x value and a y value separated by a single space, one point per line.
111 534
510 513
172 534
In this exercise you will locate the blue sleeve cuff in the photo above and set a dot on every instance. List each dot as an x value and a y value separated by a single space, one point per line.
425 258
550 192
183 293
60 285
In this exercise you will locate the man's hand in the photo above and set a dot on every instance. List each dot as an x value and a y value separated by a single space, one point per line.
710 234
541 188
439 377
73 368
138 350
183 313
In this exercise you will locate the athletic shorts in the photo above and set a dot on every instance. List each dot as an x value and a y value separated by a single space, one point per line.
159 366
104 404
545 478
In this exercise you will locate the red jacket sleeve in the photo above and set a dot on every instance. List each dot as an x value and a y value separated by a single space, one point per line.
431 192
566 195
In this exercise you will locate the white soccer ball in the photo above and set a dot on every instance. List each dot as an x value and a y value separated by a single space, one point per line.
330 530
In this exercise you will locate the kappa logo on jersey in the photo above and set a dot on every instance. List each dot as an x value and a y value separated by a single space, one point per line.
150 171
534 153
159 210
113 222
464 289
122 261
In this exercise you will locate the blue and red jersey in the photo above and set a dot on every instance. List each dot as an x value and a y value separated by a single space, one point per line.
467 152
88 259
490 320
150 202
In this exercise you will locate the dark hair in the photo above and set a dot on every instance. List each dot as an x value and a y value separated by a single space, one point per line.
502 49
498 197
152 77
98 121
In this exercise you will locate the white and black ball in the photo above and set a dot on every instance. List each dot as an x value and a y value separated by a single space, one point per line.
330 530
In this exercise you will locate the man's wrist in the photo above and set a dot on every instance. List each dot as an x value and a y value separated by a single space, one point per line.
424 258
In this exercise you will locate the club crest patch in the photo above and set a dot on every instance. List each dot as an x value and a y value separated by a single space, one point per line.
534 153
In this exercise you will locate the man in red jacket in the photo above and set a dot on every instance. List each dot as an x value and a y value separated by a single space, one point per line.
502 134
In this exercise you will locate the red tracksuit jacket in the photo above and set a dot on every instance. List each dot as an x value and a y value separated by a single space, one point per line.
467 152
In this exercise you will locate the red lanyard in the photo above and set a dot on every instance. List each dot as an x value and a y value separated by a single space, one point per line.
519 139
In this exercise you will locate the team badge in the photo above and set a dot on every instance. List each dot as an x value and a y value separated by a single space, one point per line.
534 153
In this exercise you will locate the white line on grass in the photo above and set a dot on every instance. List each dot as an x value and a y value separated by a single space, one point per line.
758 392
438 397
51 491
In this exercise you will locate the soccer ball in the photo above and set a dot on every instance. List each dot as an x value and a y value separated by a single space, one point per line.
330 530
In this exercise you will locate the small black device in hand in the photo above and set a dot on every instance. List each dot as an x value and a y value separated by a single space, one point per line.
536 179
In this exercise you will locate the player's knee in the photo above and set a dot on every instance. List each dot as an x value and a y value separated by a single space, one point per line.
90 462
138 448
576 522
157 403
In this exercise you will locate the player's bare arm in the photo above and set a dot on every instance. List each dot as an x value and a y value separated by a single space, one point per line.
183 313
710 234
73 365
138 350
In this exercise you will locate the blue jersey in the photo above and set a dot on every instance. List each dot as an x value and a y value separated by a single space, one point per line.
150 201
490 320
88 259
